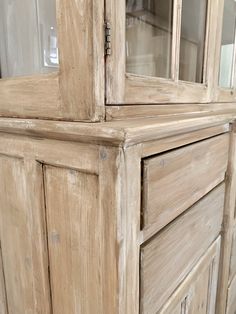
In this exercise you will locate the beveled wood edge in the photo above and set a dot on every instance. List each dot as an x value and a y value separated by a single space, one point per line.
76 91
114 113
143 90
122 133
162 145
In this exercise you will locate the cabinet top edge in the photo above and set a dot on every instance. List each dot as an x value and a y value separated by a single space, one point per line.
116 133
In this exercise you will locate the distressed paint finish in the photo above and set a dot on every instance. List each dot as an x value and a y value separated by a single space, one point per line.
22 231
76 91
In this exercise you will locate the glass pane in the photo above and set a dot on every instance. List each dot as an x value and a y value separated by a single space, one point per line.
192 41
149 37
227 45
28 39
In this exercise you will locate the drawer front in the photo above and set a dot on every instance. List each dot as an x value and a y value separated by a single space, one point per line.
168 257
233 257
174 181
197 293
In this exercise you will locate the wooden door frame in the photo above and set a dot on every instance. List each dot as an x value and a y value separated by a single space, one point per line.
76 91
223 95
129 89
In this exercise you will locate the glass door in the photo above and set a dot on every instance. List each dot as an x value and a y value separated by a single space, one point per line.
167 49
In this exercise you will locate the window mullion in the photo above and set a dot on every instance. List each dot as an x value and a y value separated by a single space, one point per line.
177 12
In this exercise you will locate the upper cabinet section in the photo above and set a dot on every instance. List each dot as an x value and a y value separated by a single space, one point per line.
162 51
52 59
28 37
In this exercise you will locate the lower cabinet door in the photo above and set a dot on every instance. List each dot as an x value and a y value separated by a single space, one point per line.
197 293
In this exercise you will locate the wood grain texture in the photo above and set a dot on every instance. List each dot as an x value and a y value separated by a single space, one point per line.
112 245
81 46
227 227
3 297
76 93
232 271
155 147
118 133
30 97
114 113
231 300
22 230
197 293
82 157
73 226
116 63
129 229
83 237
181 244
145 90
101 248
174 181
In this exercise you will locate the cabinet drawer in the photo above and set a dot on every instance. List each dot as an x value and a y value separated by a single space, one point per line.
197 293
174 181
169 256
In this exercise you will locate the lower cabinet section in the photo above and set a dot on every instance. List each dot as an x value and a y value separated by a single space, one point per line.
71 240
56 253
169 257
197 293
231 301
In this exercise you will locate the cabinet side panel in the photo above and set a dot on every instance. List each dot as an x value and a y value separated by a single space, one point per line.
21 231
74 240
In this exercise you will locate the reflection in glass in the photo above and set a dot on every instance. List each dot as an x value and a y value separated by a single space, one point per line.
149 37
192 42
228 45
28 37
